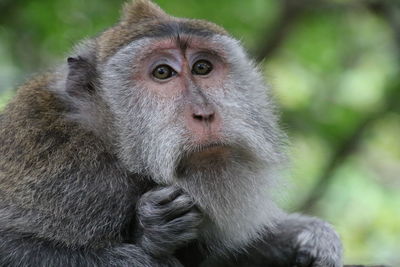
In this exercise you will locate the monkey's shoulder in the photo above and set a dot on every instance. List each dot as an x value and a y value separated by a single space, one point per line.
36 134
34 103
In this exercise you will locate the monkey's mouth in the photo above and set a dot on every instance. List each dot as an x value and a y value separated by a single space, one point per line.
209 151
210 147
204 156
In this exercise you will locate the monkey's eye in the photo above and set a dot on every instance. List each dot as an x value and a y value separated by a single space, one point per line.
202 67
163 72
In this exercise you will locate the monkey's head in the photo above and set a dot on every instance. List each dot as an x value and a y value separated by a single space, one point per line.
188 105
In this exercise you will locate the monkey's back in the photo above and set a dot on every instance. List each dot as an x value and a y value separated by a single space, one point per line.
34 134
58 180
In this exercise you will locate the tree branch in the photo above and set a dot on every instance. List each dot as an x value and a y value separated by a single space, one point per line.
350 144
291 11
346 148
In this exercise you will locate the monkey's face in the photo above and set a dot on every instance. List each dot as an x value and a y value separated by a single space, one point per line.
192 110
186 102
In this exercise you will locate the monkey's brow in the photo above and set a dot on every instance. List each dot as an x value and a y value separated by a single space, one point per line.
176 29
203 50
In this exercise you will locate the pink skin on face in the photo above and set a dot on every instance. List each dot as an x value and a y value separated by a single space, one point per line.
201 117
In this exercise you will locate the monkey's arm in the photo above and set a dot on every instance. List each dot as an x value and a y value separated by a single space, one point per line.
166 217
154 246
298 240
32 238
87 228
26 250
66 201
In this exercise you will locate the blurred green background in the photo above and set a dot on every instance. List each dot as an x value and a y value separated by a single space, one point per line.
334 69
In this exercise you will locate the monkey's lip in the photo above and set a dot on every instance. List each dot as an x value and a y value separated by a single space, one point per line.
210 147
210 150
202 156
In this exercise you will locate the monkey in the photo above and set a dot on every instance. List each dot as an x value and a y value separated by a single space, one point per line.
156 143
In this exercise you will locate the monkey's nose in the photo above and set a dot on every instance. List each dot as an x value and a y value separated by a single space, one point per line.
203 122
203 114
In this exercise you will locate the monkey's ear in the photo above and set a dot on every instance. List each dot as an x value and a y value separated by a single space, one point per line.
139 10
81 77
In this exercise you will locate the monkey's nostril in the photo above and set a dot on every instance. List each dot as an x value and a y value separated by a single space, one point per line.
210 117
197 117
206 117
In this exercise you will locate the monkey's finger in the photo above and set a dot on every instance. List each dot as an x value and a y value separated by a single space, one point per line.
191 219
170 194
162 195
178 207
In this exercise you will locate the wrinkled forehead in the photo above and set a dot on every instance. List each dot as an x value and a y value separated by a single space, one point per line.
226 49
213 45
181 31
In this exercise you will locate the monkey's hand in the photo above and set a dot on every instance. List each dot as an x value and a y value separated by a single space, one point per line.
313 242
168 219
296 241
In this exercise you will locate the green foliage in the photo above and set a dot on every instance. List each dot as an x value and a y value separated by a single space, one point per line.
335 69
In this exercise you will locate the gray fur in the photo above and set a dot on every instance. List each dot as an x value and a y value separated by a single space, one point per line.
159 140
244 183
120 189
169 219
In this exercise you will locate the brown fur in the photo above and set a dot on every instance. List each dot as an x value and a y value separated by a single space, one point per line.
43 156
141 18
